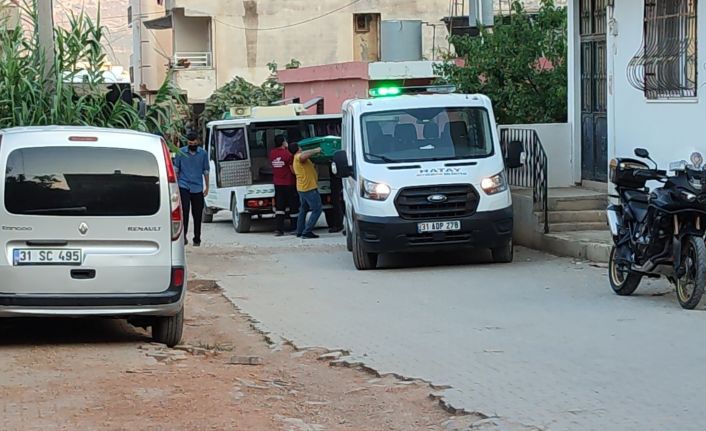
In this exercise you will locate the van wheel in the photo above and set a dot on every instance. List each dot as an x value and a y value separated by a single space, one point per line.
504 254
207 215
241 221
363 261
168 330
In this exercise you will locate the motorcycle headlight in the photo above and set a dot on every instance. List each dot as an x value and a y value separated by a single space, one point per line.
494 185
374 191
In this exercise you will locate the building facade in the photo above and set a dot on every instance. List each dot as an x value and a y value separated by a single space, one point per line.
212 41
636 79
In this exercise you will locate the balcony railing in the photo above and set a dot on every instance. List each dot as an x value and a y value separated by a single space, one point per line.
187 60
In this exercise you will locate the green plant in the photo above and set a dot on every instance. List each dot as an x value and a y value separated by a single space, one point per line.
73 91
520 64
241 92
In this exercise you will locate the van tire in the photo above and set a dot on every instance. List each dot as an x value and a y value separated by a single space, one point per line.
503 254
363 261
207 216
168 330
241 221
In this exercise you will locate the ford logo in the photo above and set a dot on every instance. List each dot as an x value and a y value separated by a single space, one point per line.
437 199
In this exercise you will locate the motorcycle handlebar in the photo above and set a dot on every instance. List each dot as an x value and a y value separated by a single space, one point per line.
650 174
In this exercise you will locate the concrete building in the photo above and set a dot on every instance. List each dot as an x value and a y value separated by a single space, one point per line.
336 83
635 80
211 41
152 50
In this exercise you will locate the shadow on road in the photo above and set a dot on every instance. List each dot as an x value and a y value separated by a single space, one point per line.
42 331
430 260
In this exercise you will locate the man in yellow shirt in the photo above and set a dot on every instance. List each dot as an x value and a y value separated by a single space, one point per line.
308 188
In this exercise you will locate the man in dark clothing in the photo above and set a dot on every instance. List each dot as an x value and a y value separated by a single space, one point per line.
336 218
192 168
285 184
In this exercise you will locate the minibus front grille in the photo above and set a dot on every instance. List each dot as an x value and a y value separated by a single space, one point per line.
437 202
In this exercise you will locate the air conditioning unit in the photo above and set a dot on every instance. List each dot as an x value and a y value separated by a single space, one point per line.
241 111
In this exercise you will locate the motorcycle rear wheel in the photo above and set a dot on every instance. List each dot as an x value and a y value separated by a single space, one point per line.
623 281
690 287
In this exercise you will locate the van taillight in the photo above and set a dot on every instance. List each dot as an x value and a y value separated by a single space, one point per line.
171 175
178 274
174 194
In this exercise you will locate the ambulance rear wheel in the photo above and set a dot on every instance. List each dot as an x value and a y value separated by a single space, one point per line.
207 215
241 221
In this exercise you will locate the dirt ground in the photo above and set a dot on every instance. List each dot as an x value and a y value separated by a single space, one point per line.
105 374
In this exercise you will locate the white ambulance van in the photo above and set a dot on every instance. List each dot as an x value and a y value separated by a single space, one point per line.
423 171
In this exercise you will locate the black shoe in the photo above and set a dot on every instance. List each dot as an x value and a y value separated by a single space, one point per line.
310 235
186 241
197 243
279 233
334 229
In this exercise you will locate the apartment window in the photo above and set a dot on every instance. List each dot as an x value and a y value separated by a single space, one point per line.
362 22
669 53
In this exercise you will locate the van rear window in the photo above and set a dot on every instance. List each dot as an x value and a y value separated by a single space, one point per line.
85 181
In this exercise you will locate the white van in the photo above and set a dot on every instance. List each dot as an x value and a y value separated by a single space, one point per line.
423 171
91 225
241 172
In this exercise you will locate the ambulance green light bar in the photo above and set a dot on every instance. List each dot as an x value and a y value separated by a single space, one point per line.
385 91
397 91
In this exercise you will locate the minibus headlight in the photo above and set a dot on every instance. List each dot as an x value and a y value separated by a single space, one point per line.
494 185
375 191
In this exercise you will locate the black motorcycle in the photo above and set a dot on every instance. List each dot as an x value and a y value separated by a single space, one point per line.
659 232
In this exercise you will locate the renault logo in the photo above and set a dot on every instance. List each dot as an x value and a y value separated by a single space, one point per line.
437 199
83 228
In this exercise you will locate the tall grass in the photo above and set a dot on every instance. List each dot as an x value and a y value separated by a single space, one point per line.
31 95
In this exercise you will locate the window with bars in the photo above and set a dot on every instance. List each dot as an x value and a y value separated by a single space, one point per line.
665 67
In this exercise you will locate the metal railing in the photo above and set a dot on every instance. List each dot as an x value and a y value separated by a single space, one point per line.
533 172
185 60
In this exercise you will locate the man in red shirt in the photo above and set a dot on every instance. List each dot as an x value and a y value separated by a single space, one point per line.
286 195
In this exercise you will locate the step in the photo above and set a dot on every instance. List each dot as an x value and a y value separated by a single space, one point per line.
580 204
576 199
578 226
596 216
590 245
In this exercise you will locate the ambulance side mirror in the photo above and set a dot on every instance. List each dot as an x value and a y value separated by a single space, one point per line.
340 166
514 157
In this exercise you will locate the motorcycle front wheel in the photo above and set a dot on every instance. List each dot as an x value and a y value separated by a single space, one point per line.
623 281
690 287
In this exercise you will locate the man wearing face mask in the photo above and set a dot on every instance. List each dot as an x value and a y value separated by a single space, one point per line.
191 166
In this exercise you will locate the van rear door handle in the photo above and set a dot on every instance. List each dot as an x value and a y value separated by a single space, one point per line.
83 274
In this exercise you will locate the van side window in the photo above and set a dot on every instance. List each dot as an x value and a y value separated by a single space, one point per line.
231 145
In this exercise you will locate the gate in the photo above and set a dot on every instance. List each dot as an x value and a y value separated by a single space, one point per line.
594 91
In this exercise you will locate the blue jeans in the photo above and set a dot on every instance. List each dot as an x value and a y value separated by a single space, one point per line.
310 201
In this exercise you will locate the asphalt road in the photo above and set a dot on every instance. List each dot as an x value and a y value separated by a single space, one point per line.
541 342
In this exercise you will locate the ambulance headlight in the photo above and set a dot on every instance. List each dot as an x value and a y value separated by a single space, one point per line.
374 191
494 185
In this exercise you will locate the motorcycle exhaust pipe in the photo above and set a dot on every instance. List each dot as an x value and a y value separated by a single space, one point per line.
613 220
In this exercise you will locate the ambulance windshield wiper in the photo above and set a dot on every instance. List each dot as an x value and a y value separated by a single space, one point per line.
383 158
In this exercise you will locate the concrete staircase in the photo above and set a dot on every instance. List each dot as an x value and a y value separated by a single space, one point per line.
578 226
575 209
